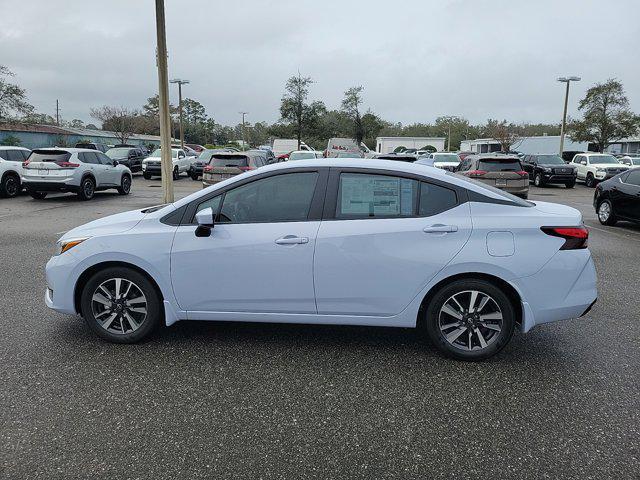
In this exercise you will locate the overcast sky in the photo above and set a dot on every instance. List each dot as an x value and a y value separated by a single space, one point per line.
417 59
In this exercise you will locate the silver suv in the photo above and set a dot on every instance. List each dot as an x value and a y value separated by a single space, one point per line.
77 170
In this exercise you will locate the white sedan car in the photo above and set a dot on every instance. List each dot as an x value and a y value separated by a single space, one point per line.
333 241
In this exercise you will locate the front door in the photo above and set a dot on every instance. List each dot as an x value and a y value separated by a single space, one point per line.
259 257
388 236
628 196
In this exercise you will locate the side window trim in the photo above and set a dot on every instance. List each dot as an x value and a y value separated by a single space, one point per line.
317 200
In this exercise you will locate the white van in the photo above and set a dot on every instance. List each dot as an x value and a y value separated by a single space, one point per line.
282 146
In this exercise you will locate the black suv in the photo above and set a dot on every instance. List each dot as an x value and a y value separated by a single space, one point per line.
101 147
546 169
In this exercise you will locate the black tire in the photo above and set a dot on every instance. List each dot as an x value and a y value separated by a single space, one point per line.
152 319
10 185
495 341
604 207
146 176
125 185
176 173
194 176
538 181
590 181
87 189
570 184
37 195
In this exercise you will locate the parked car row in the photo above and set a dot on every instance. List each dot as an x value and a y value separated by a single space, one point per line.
618 198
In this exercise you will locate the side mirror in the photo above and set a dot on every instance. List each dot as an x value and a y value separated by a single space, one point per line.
115 163
205 219
583 162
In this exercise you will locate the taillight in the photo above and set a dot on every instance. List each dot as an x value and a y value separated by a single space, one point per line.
25 163
476 173
575 237
207 168
67 164
245 169
522 173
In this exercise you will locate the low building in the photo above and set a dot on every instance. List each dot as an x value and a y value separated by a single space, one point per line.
626 145
526 145
40 136
389 144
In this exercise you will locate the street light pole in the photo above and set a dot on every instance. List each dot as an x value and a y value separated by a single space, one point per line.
566 80
163 97
244 142
180 83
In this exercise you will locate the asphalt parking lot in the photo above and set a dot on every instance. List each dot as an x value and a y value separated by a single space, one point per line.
223 400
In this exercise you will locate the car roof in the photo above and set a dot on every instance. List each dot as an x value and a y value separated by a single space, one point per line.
302 151
501 156
12 147
70 149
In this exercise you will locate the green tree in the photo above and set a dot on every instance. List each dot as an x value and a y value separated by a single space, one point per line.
507 134
193 111
13 98
11 141
606 116
76 123
351 107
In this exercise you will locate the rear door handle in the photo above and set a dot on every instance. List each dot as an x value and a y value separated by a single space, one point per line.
439 228
292 240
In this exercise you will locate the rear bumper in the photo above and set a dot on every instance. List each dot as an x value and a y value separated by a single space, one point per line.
565 288
56 186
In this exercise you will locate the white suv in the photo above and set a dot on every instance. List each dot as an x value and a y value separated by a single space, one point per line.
152 165
77 170
11 159
596 167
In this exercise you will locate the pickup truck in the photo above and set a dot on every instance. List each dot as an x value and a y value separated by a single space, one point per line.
151 166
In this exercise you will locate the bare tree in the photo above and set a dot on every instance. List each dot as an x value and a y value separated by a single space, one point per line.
12 97
505 133
123 121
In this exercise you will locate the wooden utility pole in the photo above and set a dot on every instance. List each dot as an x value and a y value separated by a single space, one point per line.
57 113
163 95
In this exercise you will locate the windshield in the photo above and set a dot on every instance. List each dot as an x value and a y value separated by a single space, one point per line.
302 155
446 157
636 161
117 152
499 165
206 154
156 153
608 159
550 160
494 190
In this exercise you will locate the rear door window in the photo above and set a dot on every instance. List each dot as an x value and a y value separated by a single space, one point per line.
435 199
363 195
89 157
634 177
14 155
103 158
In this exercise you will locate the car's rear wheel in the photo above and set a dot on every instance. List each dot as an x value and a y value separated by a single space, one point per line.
590 180
125 185
37 195
87 189
470 319
10 185
121 305
605 213
176 173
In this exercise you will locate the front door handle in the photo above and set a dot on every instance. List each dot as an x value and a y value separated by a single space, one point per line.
292 240
439 228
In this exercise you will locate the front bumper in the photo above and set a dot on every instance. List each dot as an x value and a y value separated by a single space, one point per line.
557 178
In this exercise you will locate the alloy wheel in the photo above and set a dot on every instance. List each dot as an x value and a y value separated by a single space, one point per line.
470 320
88 188
119 306
11 186
604 212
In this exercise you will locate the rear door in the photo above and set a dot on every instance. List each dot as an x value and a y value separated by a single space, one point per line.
628 204
382 239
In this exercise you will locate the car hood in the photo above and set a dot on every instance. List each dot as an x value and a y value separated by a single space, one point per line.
447 164
118 223
609 165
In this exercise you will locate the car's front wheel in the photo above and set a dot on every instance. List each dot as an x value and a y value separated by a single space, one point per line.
470 319
605 213
176 173
590 180
147 176
570 184
538 180
125 185
121 305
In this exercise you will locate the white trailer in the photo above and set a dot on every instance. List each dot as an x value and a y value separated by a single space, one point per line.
389 144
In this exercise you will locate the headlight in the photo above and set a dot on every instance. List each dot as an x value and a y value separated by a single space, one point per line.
546 169
598 169
65 245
